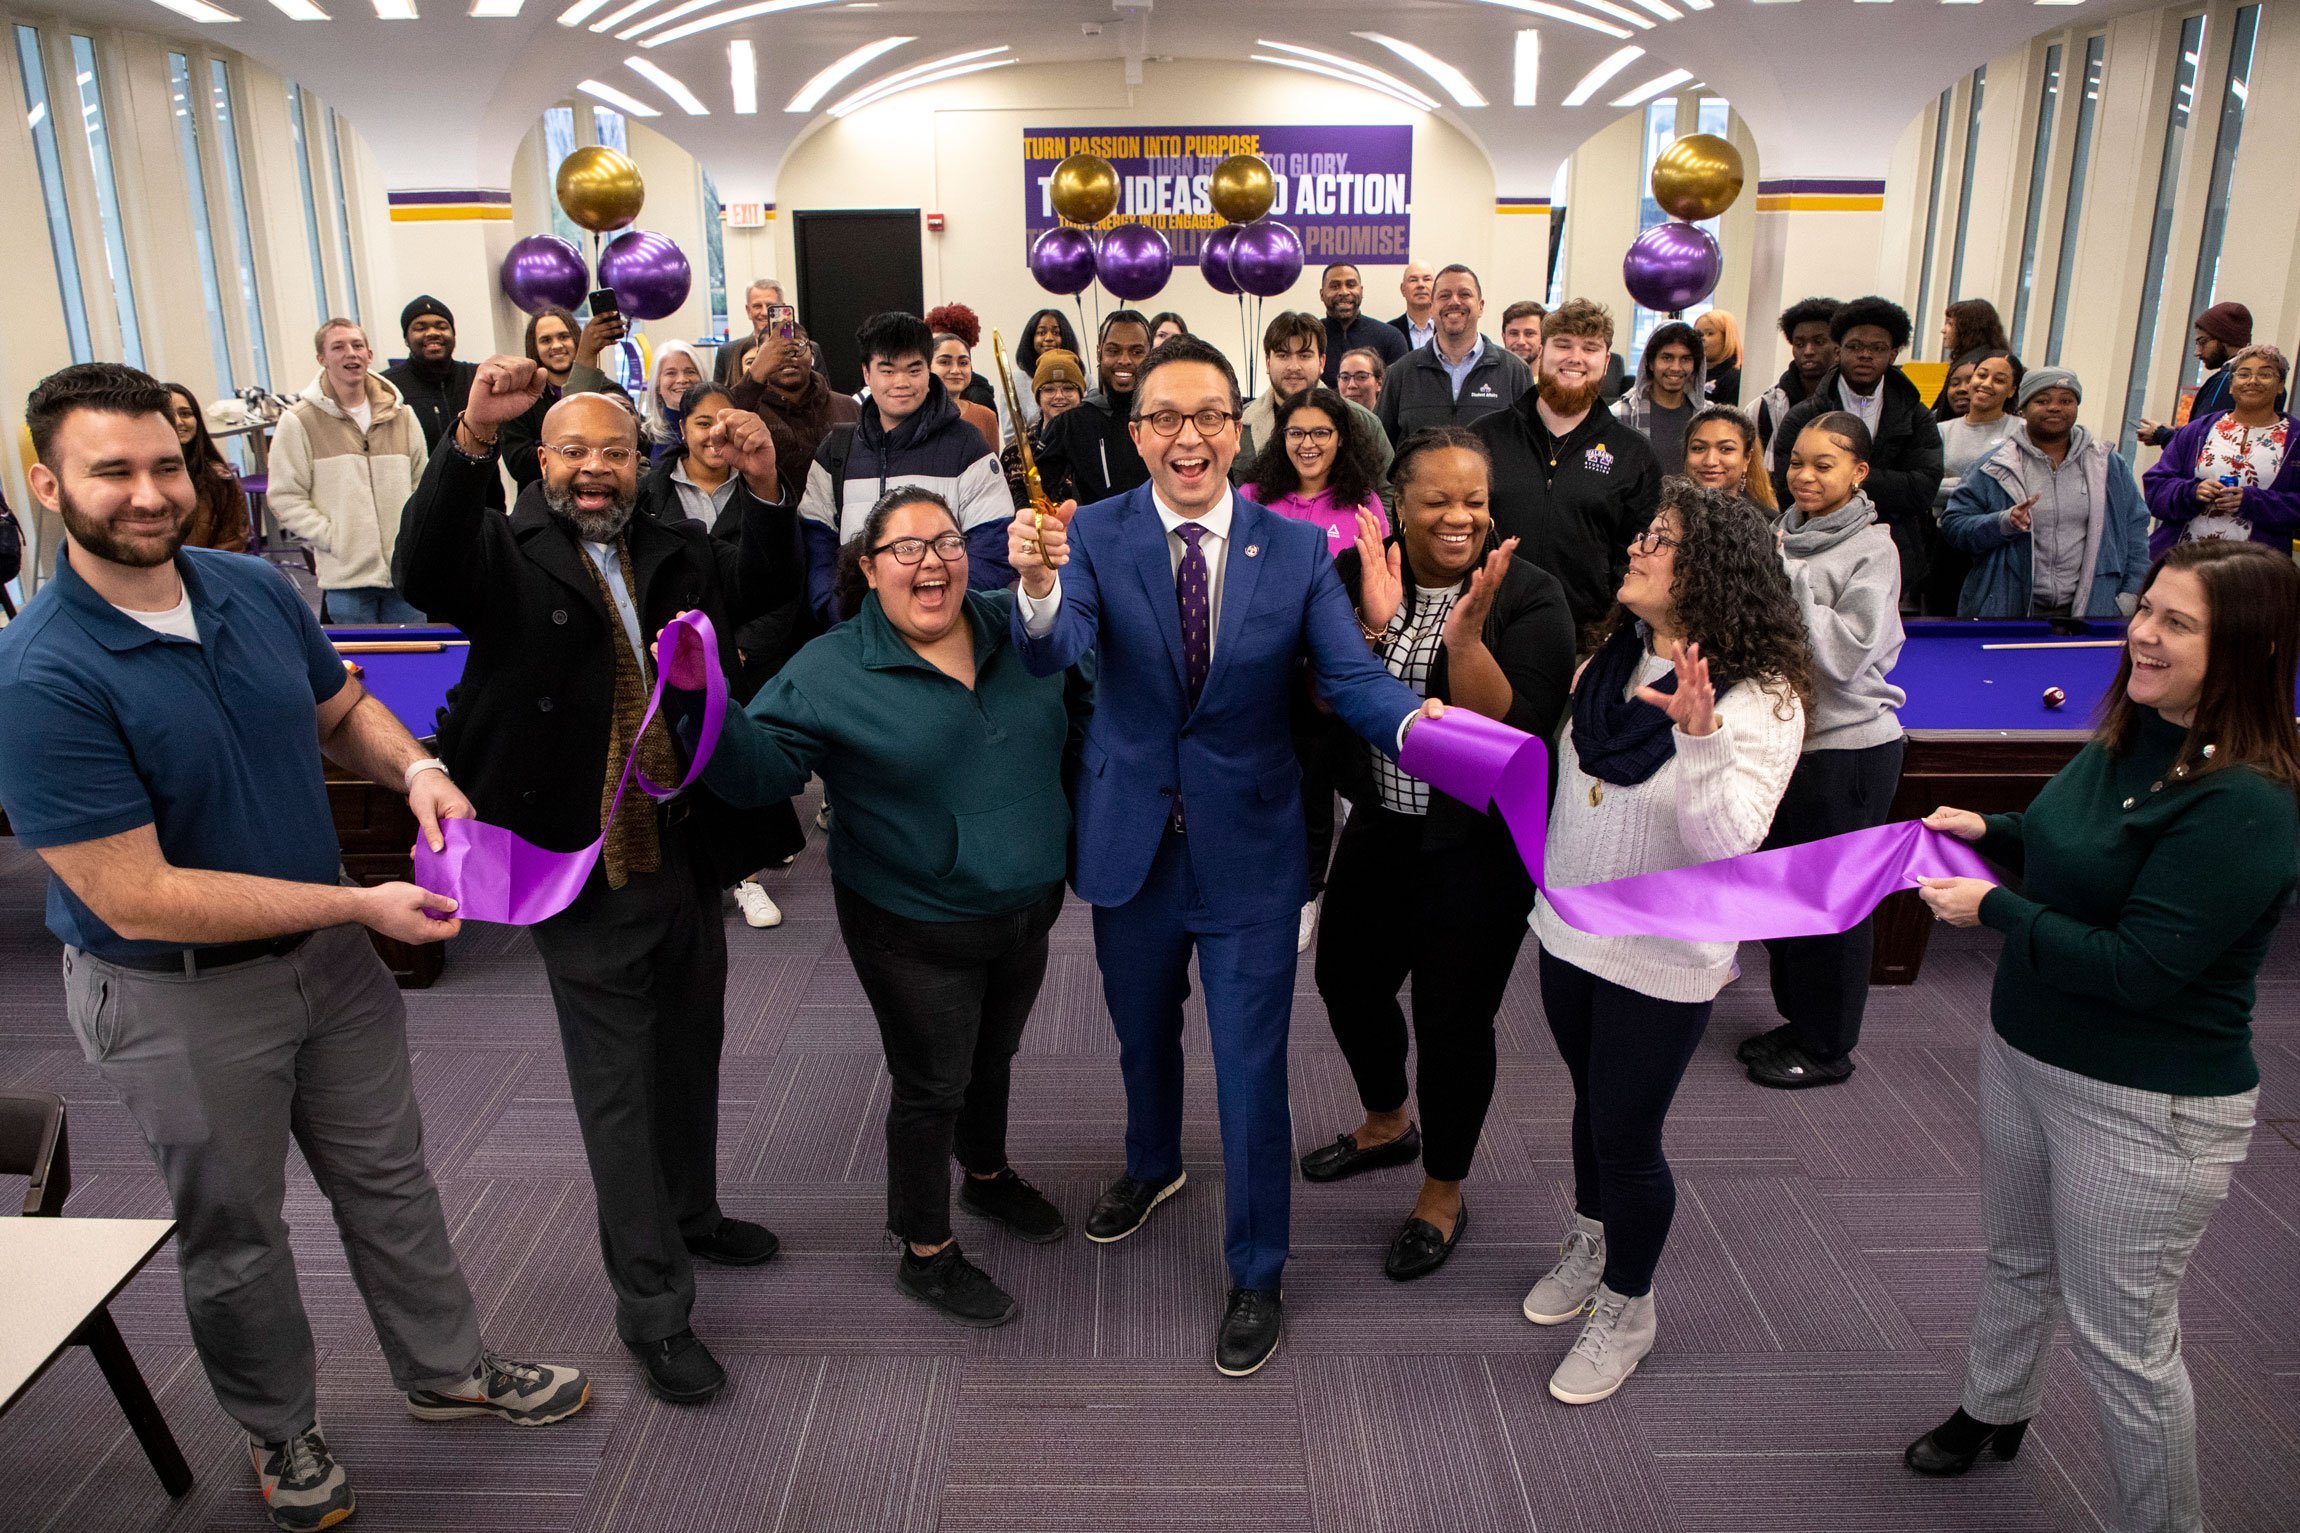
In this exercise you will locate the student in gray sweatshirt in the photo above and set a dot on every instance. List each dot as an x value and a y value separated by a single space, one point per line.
1847 579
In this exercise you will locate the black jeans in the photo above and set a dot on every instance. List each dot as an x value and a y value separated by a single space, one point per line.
1452 920
1626 1053
951 999
1821 984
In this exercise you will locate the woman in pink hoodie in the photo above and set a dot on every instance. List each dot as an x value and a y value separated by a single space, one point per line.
1319 467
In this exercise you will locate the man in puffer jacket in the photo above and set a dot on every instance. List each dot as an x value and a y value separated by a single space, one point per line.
347 455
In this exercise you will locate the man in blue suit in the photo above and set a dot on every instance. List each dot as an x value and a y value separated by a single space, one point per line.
1187 793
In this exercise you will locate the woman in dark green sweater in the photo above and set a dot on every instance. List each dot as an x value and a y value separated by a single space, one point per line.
947 859
2118 1086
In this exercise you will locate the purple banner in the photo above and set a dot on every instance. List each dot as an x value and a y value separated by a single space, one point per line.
1348 191
493 875
1823 886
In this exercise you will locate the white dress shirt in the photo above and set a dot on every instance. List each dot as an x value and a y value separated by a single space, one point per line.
1038 612
1418 336
611 571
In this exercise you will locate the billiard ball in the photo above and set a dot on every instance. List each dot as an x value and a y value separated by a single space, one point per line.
2054 697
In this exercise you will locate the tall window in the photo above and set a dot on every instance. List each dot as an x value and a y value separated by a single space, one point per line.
181 100
1932 216
609 128
343 214
40 118
1560 188
558 143
228 151
310 202
2176 121
2223 168
2040 160
715 249
1965 185
2079 161
107 199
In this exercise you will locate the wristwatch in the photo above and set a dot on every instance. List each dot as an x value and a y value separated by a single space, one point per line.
427 764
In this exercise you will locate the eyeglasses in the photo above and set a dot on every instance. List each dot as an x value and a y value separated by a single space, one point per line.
1320 435
1867 348
948 547
1651 542
1169 422
570 453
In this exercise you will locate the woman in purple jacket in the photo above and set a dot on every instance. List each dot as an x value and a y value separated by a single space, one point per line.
2234 473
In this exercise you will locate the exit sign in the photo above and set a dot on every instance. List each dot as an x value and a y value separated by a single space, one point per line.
744 215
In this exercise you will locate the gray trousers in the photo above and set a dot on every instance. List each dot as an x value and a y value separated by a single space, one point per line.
218 1071
2093 1198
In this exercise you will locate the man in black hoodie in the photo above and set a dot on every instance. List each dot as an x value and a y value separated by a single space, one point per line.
1805 326
1090 453
1905 463
1570 481
432 382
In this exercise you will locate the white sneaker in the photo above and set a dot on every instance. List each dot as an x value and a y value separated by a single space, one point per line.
757 909
823 817
1309 931
1614 1340
1566 1288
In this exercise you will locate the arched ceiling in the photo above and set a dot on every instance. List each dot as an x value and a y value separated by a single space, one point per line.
442 98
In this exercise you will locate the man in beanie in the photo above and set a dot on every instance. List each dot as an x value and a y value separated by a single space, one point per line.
2051 516
2221 331
434 385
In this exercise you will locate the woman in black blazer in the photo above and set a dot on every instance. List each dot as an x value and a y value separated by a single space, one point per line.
1426 887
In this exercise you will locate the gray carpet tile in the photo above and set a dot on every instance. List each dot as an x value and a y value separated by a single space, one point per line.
1813 1302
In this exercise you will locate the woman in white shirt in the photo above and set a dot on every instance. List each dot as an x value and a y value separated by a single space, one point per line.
1686 727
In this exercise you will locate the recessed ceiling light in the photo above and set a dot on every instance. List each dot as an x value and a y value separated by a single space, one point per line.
496 9
395 10
1560 13
811 94
576 14
620 100
1620 13
1416 100
1653 87
199 10
725 18
669 84
1525 81
1357 73
1451 80
614 19
930 73
299 10
1662 9
1609 66
743 73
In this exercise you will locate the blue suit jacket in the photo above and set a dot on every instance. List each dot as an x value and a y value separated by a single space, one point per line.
1232 756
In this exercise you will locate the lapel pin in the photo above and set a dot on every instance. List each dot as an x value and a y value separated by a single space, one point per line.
1253 550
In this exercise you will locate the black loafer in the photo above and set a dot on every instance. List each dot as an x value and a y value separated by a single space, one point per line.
1249 1333
735 1243
1123 1206
680 1369
1419 1250
1332 1162
1952 1447
1790 1068
1757 1045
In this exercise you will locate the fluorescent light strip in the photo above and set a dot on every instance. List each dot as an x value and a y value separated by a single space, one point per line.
496 9
614 19
1526 79
1453 81
669 84
580 12
811 94
1364 74
395 10
617 99
198 10
706 23
1696 5
1345 77
299 10
911 75
743 76
1652 88
1662 9
1559 13
1609 66
1620 13
872 95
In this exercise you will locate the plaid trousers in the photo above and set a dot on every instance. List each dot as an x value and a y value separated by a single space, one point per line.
2093 1198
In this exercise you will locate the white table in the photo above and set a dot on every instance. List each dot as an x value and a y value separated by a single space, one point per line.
56 1276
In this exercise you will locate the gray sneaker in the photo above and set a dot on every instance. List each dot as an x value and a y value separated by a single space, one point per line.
1565 1289
304 1487
524 1394
1614 1340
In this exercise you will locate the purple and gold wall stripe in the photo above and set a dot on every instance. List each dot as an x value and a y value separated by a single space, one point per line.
1820 196
457 206
1520 206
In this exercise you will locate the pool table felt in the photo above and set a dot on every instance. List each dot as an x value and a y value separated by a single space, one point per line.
1954 684
413 686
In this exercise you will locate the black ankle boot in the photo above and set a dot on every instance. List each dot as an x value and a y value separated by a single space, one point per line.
1951 1447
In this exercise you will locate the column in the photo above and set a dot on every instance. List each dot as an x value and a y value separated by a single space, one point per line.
1814 237
450 242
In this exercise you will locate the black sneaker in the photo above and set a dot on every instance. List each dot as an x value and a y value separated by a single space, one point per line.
1790 1068
1757 1045
1120 1210
735 1243
681 1370
1249 1331
1013 1202
956 1286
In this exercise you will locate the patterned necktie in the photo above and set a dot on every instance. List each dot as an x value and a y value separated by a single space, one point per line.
1190 590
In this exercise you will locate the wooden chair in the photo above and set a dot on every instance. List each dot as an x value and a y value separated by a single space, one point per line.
33 1144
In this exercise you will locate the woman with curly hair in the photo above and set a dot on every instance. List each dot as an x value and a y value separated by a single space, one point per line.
1319 466
1685 728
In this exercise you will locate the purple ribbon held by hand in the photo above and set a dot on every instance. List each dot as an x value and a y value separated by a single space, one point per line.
493 875
1820 887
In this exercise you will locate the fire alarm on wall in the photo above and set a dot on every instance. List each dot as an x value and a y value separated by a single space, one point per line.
934 223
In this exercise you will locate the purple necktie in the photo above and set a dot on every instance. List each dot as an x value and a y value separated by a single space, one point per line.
1197 625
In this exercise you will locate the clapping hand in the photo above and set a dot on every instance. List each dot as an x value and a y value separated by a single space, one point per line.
1465 624
1381 576
1693 706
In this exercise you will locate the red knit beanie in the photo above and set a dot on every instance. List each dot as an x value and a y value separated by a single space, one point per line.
2228 323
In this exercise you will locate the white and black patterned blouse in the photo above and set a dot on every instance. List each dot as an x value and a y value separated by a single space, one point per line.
1409 645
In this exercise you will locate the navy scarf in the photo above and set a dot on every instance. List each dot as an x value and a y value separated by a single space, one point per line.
1621 740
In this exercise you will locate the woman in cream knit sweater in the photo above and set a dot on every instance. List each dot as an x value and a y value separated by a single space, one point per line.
1686 726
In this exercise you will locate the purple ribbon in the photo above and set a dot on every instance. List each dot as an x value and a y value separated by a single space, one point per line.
493 875
1824 886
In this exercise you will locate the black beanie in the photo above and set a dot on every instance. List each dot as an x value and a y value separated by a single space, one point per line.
420 305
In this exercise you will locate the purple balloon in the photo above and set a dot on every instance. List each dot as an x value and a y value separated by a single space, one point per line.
1214 260
1063 260
1267 258
1135 262
649 274
542 271
1672 266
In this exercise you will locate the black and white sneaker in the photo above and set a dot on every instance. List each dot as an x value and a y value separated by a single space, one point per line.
1125 1204
1010 1199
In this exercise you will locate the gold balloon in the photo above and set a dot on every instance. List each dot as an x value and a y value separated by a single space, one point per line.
1243 189
600 188
1085 189
1697 177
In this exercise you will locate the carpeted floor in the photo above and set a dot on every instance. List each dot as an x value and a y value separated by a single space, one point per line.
1813 1301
